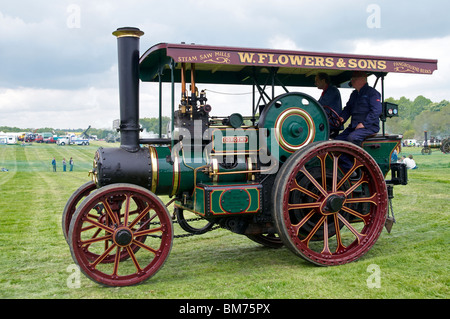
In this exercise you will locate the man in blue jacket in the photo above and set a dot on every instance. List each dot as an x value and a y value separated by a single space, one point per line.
330 97
364 108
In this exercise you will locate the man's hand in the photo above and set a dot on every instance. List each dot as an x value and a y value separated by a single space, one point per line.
360 125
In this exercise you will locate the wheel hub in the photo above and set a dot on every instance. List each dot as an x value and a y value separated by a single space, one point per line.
123 237
333 203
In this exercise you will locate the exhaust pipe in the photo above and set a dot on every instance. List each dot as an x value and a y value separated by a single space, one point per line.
128 54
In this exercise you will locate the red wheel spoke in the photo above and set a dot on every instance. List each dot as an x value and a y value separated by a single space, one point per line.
102 256
127 210
322 158
88 228
133 258
145 224
365 218
303 190
358 235
314 230
335 171
326 247
99 225
147 231
116 262
140 216
302 222
110 213
340 247
95 240
370 199
362 180
304 205
356 164
314 181
138 243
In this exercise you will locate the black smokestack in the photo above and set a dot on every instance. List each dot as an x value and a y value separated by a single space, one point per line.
128 52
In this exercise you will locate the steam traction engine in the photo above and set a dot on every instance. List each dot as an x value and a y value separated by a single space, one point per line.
274 178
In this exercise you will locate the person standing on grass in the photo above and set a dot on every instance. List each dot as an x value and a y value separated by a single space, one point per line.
54 164
64 164
71 164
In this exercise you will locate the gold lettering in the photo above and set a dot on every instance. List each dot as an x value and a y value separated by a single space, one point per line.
187 58
372 64
262 57
309 61
319 61
352 63
340 63
283 59
271 59
296 59
362 64
245 57
205 56
381 65
329 62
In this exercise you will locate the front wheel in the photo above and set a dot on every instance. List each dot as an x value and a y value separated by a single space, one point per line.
126 244
324 214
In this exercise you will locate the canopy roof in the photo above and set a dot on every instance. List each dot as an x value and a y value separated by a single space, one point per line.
233 65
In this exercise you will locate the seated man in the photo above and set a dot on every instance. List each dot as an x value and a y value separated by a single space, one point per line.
364 106
330 97
410 163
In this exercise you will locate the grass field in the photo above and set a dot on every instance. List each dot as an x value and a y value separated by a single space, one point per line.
35 261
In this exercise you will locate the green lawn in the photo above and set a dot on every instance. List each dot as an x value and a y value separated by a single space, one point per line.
36 261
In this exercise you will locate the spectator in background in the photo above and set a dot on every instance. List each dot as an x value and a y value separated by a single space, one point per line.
64 164
71 164
54 164
410 163
394 157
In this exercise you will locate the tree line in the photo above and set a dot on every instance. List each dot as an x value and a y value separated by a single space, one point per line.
418 116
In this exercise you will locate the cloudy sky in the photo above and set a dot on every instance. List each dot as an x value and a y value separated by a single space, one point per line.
58 58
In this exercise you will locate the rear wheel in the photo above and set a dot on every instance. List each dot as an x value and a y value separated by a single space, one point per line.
270 240
77 197
323 214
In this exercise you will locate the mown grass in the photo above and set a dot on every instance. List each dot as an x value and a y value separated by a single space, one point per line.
34 257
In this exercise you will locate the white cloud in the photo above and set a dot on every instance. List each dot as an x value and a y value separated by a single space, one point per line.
34 107
432 86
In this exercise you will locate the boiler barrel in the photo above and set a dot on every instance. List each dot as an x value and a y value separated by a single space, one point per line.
161 171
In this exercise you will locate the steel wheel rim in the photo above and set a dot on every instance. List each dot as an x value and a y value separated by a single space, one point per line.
77 197
363 201
131 261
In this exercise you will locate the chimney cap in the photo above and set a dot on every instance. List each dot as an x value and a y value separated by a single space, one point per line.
128 32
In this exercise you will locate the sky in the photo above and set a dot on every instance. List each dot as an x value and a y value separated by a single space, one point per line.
58 58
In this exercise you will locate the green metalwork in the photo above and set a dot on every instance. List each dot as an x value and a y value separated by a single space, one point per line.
296 120
381 149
